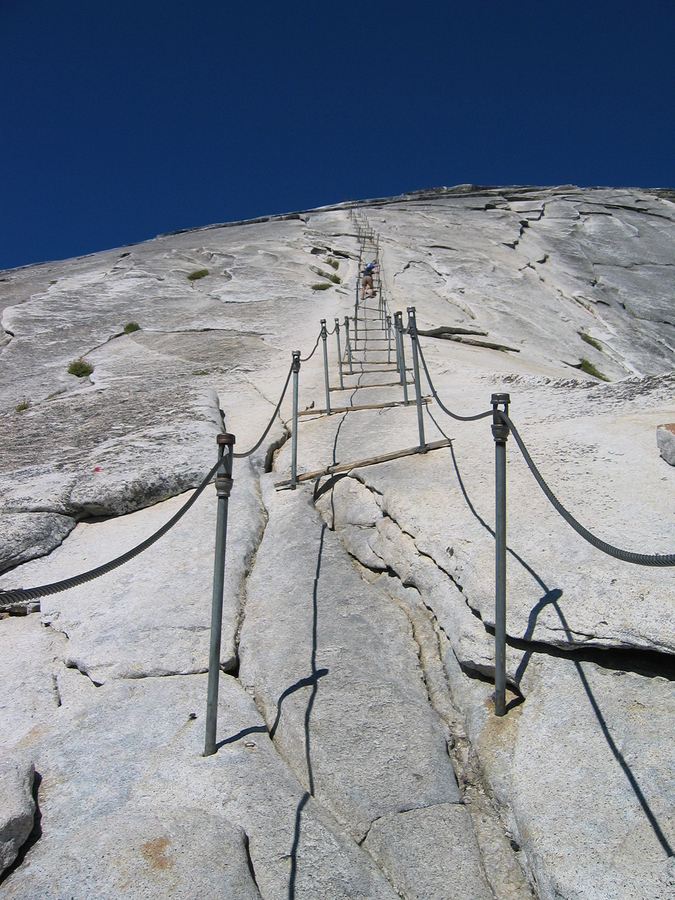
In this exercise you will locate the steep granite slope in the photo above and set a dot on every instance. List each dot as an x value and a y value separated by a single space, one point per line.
358 752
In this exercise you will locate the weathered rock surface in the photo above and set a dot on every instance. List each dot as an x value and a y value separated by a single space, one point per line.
371 674
151 619
24 536
429 852
30 673
665 441
345 662
17 807
129 805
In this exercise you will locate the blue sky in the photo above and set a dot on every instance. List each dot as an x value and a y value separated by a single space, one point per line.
120 120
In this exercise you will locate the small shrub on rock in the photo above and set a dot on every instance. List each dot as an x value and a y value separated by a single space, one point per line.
198 273
80 368
588 367
589 340
130 327
321 286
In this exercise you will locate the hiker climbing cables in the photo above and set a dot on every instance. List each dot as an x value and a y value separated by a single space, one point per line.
367 273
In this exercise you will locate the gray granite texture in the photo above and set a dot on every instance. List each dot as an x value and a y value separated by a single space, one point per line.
358 754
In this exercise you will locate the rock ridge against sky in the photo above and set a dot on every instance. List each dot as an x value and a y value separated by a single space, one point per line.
358 755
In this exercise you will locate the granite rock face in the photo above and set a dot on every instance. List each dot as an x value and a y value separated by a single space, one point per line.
665 441
358 754
17 807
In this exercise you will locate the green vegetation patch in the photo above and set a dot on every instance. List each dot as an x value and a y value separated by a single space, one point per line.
131 326
331 276
198 273
320 286
590 369
21 407
80 368
590 340
333 262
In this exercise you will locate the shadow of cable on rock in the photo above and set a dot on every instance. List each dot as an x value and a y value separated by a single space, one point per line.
551 597
313 682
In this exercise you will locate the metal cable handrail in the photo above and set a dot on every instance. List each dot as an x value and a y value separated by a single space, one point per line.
307 358
639 559
19 594
438 400
271 422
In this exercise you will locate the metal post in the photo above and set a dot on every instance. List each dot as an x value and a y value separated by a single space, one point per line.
412 330
294 433
397 337
500 432
398 319
324 336
388 338
356 301
337 335
349 346
223 488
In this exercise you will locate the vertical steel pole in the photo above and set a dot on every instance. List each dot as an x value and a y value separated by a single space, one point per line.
337 335
389 338
356 303
324 336
500 432
349 346
294 432
398 318
223 488
412 330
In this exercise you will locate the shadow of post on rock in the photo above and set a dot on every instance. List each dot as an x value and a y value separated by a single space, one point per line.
313 680
551 597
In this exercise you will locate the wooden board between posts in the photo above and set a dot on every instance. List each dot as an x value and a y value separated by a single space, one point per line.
361 463
363 387
343 409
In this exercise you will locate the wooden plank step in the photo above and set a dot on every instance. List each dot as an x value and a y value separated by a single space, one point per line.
342 409
362 387
361 463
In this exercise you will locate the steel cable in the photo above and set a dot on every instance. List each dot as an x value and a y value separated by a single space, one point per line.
639 559
20 594
438 400
307 358
271 422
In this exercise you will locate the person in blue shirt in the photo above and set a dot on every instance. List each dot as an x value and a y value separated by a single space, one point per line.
367 273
